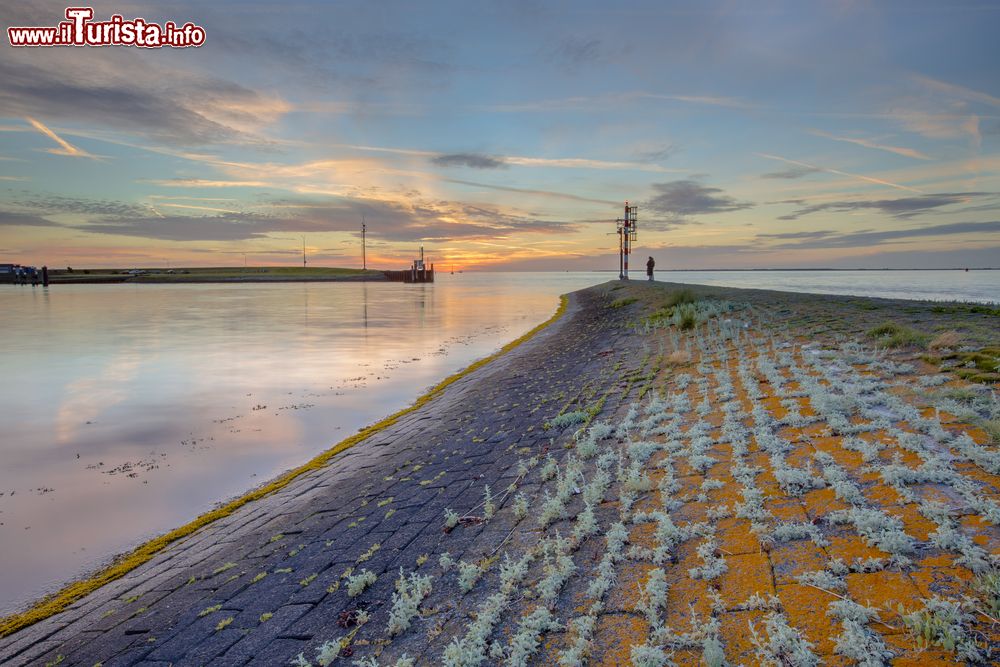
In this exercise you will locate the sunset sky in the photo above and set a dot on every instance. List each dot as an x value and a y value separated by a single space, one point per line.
507 134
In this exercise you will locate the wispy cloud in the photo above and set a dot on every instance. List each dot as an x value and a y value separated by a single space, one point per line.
129 95
680 199
65 148
792 173
473 160
17 219
868 143
203 183
867 179
482 160
594 103
199 208
530 191
866 238
904 207
954 90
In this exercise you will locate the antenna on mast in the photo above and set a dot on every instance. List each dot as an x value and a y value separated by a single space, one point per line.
364 253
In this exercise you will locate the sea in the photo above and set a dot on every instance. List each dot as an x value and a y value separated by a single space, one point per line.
129 409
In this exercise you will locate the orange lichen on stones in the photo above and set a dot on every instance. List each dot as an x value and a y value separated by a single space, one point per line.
774 406
850 548
938 575
790 559
834 446
914 523
735 537
736 637
614 637
786 510
908 654
907 458
684 596
983 533
806 609
885 591
883 496
747 574
820 502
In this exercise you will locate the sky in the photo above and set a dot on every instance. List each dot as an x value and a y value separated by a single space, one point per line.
506 135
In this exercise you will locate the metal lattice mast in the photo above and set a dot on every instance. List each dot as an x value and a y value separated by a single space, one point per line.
627 233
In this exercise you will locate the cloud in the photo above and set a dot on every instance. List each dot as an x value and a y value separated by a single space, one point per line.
204 183
65 148
867 179
473 160
656 154
867 143
50 203
529 191
798 235
136 98
574 52
961 92
456 159
419 220
867 238
679 199
16 219
793 172
601 103
903 208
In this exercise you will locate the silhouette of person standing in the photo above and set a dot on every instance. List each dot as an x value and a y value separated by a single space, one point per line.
649 267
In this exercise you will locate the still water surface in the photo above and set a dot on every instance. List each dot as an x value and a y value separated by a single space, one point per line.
126 410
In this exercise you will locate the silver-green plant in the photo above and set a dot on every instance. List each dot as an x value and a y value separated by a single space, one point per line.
410 592
356 583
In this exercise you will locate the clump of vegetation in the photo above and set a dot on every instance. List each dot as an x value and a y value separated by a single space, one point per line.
946 339
566 419
644 655
891 334
943 624
410 592
784 645
624 301
356 583
678 297
468 575
653 597
987 585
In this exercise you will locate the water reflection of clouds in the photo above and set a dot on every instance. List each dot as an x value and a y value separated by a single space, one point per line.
86 398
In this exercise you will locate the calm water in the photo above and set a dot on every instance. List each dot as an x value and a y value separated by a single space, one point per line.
127 410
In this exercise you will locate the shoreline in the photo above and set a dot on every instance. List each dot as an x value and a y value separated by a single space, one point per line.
599 361
180 280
